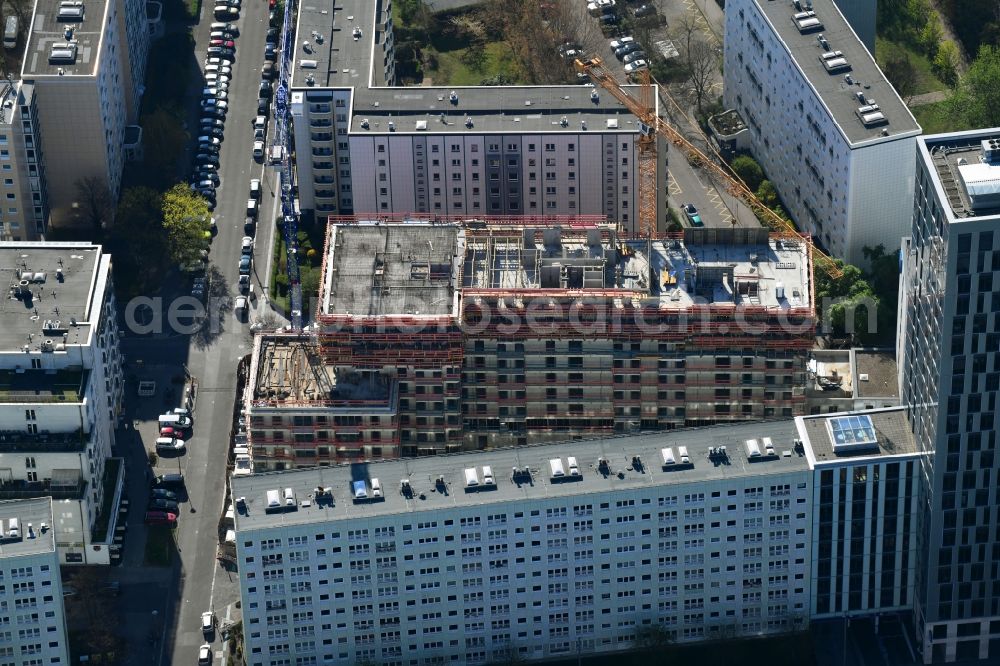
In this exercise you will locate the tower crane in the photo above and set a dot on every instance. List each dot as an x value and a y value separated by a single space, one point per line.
652 126
283 138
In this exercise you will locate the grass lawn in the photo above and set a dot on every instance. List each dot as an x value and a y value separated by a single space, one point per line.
935 118
159 547
926 81
451 71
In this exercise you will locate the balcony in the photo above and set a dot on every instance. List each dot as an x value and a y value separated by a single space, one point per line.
40 386
18 441
64 484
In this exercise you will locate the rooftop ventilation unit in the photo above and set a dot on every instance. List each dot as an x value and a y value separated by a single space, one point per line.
421 126
521 474
564 121
574 469
365 124
753 449
453 97
871 116
392 126
807 22
471 477
273 498
405 489
488 479
556 467
834 61
668 457
468 121
359 490
62 54
991 149
823 41
595 97
70 11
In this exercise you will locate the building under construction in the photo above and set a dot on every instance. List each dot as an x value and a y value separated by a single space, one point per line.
440 337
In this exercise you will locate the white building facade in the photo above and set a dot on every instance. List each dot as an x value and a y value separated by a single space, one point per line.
32 616
62 371
828 129
567 555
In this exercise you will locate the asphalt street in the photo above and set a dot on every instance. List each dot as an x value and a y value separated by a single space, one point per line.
211 357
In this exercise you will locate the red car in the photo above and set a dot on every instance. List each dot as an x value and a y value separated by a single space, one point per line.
215 42
229 44
271 4
161 518
169 432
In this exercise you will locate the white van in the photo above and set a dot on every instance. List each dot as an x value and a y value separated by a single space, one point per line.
175 421
169 444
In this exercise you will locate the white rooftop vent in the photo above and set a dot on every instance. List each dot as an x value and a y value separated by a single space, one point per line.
273 499
574 469
289 497
70 11
863 376
595 97
668 457
822 40
861 96
376 488
612 123
488 479
471 477
468 121
556 466
62 54
870 116
392 126
768 446
453 97
421 126
683 453
365 124
564 121
753 448
807 22
834 61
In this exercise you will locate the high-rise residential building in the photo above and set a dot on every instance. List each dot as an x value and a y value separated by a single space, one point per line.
826 126
466 151
950 356
24 211
61 385
31 598
85 62
580 547
434 338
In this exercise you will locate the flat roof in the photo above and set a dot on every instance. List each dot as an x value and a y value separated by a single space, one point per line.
837 94
374 270
34 511
892 433
513 109
290 370
41 308
47 30
422 473
341 59
883 378
949 158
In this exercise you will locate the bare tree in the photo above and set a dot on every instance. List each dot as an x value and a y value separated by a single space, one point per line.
684 32
703 67
95 205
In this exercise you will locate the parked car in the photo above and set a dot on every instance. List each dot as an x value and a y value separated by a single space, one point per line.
626 48
270 52
221 34
246 246
208 176
245 261
692 215
221 52
208 623
213 113
213 122
161 518
621 41
241 307
228 27
175 481
166 505
267 71
169 444
644 10
250 227
255 188
635 55
207 158
263 106
225 12
258 150
205 654
264 89
163 493
636 66
272 36
608 19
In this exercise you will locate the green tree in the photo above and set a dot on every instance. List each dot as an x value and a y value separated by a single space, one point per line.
749 171
977 100
474 56
946 62
164 139
498 80
767 194
185 219
931 36
883 276
899 69
846 304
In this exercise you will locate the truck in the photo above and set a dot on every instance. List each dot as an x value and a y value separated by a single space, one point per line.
10 32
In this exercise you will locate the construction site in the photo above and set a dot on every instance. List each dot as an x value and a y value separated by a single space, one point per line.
438 337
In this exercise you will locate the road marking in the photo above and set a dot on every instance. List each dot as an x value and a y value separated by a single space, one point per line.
719 204
672 186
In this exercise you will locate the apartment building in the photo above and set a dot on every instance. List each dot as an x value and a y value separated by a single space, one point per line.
533 552
434 338
61 385
85 62
24 209
31 596
825 124
950 368
467 151
866 468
